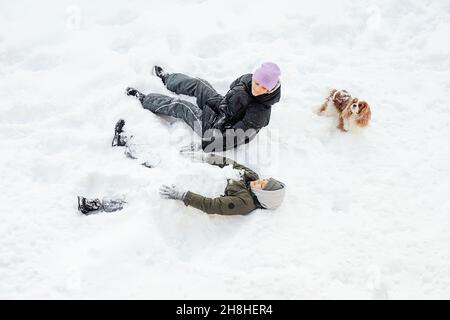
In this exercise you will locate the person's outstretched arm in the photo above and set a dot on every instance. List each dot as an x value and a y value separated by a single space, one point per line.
227 205
240 204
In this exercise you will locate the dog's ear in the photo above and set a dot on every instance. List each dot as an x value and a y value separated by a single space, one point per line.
364 114
362 106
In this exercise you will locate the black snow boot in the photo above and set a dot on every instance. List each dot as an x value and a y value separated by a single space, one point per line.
160 73
135 93
119 140
88 205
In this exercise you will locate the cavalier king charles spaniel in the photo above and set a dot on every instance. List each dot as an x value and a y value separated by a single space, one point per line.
352 112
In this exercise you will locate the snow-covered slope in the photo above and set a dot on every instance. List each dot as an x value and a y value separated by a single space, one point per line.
366 213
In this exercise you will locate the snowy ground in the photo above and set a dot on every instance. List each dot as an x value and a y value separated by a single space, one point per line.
366 214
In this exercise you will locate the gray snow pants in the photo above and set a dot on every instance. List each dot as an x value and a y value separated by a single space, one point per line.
181 109
113 204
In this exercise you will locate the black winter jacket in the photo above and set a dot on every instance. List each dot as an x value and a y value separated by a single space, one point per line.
238 109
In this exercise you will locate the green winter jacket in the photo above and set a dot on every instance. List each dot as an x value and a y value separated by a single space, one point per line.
238 199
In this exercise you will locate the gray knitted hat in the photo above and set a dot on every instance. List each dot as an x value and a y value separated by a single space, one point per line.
273 185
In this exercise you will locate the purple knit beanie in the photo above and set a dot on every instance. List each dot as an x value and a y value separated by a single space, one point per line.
268 75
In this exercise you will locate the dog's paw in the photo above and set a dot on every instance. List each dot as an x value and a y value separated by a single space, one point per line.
320 111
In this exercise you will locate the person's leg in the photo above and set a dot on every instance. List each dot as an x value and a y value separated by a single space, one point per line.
86 205
135 93
133 150
177 108
195 87
119 140
90 206
113 204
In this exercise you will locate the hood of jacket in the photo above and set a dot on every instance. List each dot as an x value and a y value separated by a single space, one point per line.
269 199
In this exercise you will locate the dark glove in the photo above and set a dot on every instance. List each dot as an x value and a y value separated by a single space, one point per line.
220 122
171 192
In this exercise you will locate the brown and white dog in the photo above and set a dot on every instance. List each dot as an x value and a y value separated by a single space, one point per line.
352 112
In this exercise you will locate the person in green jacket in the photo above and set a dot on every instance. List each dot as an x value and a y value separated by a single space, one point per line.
240 197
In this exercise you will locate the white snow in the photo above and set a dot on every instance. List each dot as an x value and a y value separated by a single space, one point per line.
366 214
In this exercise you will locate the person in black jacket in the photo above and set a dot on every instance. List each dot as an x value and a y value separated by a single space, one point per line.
222 122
